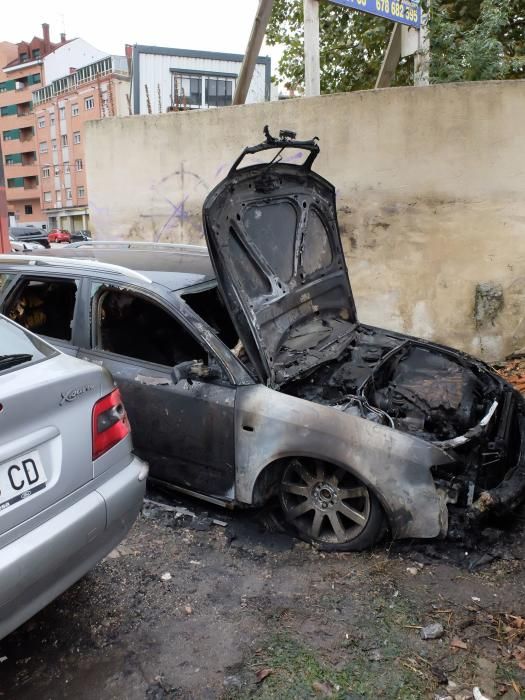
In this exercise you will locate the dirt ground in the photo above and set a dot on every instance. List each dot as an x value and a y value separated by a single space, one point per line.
191 608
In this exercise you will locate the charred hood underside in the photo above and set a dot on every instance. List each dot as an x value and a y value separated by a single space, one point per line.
272 232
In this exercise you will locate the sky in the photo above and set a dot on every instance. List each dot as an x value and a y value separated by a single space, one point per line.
211 25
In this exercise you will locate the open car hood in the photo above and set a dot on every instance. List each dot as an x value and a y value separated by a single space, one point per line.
274 241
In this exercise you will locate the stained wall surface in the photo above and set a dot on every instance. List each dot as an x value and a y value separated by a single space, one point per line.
430 184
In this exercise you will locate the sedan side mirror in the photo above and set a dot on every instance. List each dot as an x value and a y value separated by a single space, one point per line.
194 370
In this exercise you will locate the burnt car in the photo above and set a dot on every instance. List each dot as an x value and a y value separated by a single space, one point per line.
249 378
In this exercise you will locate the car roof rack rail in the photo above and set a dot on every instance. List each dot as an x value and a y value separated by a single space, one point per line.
141 245
75 263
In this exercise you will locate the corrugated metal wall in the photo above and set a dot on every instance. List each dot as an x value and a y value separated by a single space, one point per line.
156 70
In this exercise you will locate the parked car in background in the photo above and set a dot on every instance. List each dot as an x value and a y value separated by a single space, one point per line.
57 235
248 377
29 234
24 246
16 246
70 487
80 235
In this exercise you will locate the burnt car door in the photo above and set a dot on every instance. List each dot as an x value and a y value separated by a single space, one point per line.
179 400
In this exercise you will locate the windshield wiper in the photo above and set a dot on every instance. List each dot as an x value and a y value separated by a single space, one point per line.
12 360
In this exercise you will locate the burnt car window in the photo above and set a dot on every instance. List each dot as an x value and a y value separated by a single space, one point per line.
209 305
135 327
44 306
317 252
5 279
261 222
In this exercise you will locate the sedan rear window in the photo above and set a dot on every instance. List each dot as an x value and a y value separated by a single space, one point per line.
18 347
44 306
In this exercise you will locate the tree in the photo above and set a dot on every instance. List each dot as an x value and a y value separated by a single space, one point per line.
477 41
470 40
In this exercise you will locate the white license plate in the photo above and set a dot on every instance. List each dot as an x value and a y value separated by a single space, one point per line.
21 478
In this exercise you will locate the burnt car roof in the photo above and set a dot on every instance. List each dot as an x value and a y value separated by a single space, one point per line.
178 267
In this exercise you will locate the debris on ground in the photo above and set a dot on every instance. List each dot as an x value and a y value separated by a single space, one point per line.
259 600
433 631
513 370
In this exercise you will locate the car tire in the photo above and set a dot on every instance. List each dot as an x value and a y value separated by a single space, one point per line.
329 507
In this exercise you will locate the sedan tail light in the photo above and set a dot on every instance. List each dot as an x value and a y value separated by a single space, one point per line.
110 423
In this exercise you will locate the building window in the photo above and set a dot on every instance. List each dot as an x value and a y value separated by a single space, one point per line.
8 111
76 137
219 92
53 144
46 171
67 169
69 194
51 120
23 57
15 182
47 196
36 53
41 122
188 90
75 111
43 147
11 135
8 85
78 164
58 195
89 103
81 192
61 112
57 170
28 209
63 139
14 159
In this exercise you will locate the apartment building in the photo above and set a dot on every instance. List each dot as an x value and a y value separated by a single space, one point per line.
61 110
21 69
25 67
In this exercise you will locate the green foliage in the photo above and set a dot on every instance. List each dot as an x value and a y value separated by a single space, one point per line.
470 40
477 41
351 46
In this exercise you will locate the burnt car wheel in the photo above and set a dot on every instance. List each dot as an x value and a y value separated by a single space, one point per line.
325 505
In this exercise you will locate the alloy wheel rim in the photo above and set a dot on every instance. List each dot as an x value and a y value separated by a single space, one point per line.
324 502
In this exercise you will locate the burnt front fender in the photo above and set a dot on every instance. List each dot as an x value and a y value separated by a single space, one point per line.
270 425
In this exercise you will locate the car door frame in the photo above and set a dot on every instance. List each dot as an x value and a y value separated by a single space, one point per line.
94 353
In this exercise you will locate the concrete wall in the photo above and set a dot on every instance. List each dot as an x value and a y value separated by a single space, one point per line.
431 196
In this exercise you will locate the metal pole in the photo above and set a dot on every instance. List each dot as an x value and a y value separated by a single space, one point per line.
255 41
312 63
422 55
5 247
391 59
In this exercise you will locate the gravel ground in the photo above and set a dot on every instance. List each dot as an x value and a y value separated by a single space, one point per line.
191 608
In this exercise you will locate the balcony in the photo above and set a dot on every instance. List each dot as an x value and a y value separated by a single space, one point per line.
24 121
27 132
15 194
25 170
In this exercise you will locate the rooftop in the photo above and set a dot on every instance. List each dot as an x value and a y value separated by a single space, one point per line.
87 74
